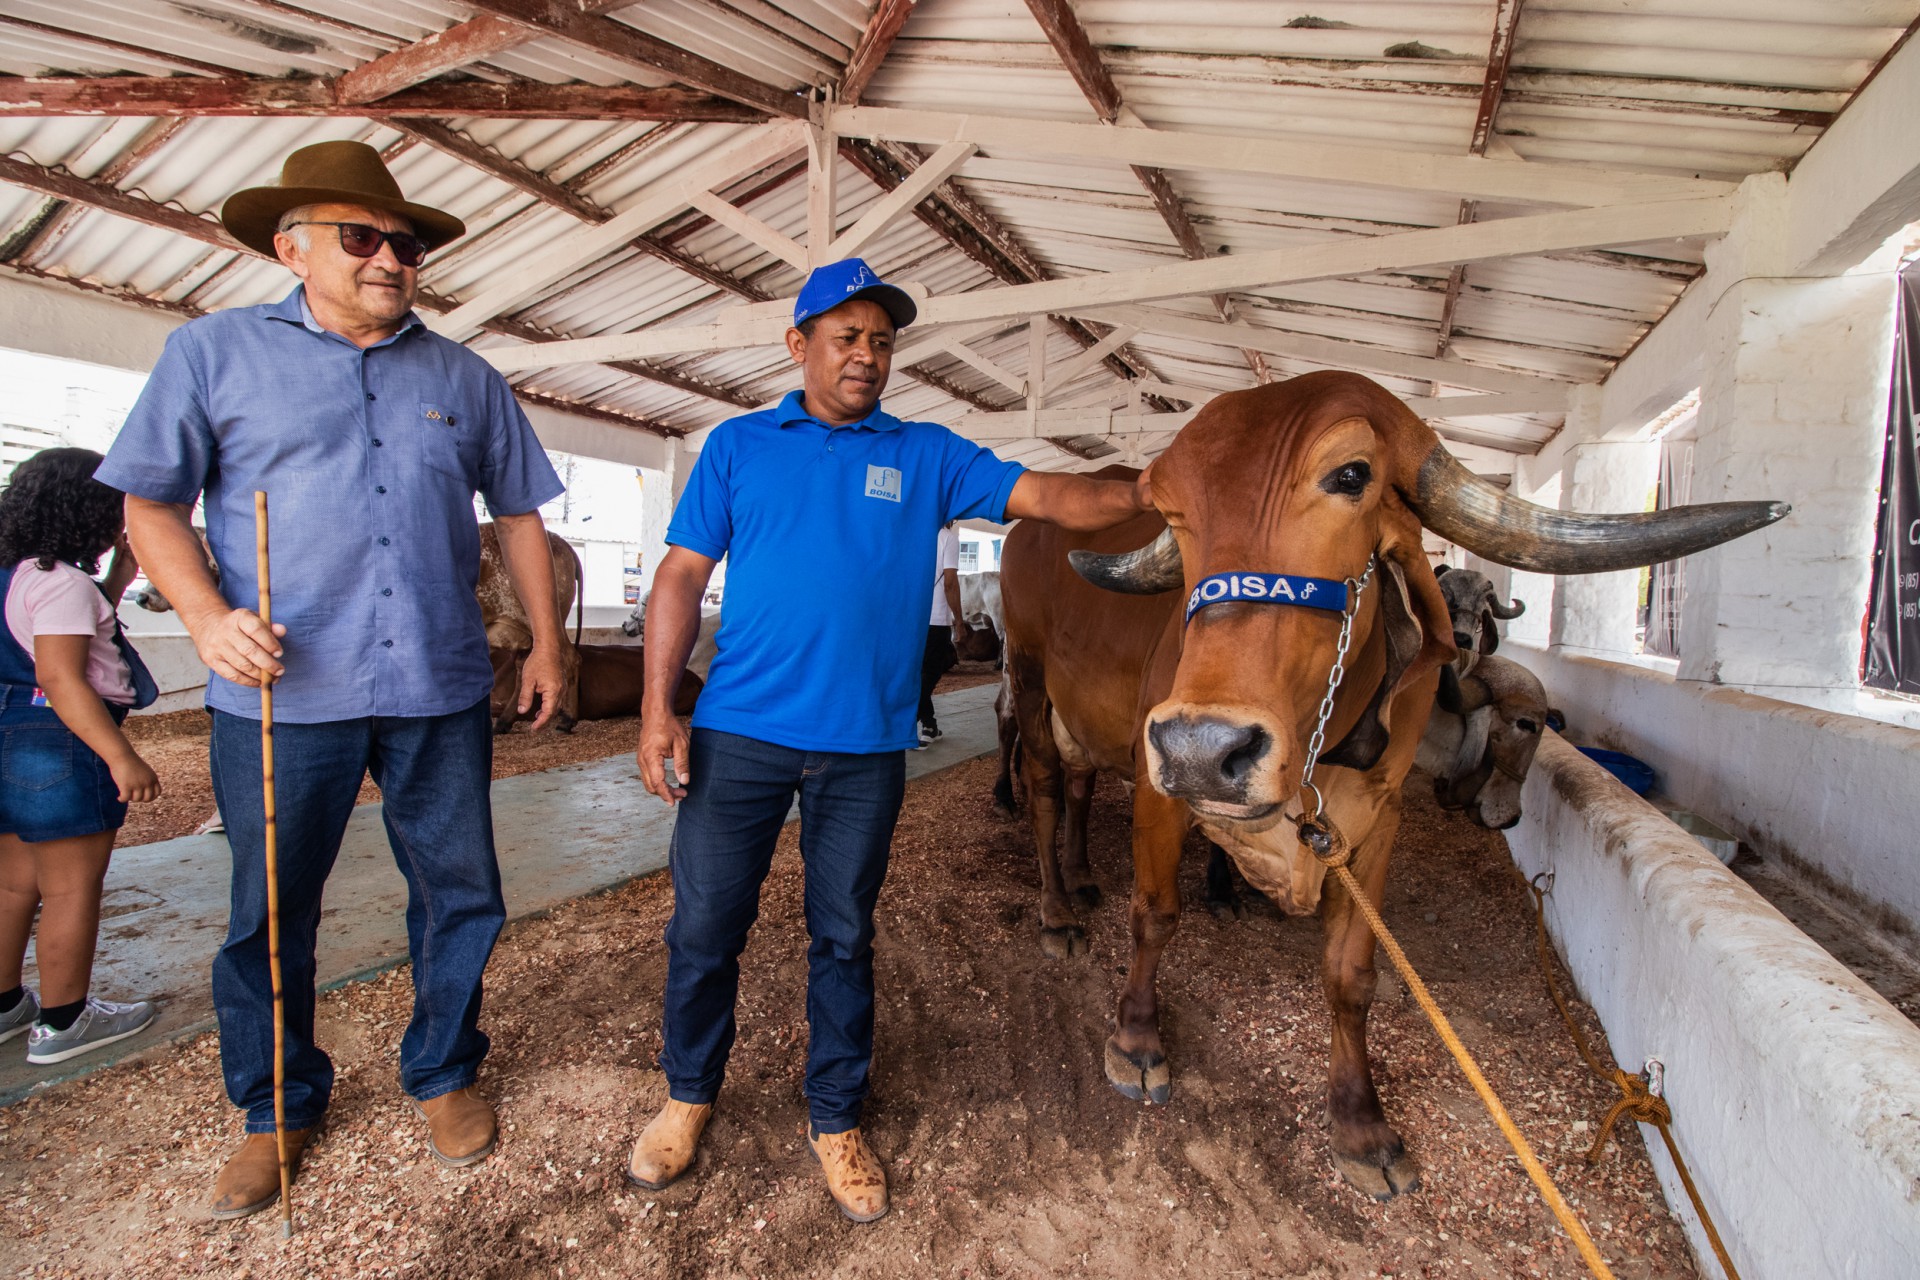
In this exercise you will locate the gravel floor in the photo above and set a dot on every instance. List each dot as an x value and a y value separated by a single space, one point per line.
1010 1155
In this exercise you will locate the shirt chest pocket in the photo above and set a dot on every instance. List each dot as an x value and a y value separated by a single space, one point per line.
450 441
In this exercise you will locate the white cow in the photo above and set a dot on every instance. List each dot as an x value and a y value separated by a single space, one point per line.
704 646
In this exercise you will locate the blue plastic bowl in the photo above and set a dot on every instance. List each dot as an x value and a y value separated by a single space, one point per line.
1636 774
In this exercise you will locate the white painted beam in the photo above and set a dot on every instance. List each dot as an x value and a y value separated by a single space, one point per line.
747 227
1331 259
1334 352
823 201
1860 182
1546 400
1062 374
901 200
968 356
1470 177
71 324
568 253
1021 424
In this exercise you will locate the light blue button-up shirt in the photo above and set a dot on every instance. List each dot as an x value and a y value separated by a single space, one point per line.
370 460
829 534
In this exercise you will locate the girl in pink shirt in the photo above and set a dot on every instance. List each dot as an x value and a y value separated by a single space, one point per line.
67 772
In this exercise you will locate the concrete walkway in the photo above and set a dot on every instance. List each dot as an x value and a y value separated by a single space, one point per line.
561 834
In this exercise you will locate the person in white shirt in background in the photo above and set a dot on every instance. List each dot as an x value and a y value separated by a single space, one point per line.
945 630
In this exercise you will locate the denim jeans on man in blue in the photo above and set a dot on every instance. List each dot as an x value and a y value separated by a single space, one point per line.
737 800
433 773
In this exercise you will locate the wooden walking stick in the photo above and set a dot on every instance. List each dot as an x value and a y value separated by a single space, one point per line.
273 878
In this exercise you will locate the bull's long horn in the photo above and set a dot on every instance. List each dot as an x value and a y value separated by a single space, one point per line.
1150 570
1505 612
1483 518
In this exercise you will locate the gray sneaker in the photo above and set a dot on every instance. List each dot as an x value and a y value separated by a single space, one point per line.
101 1023
18 1019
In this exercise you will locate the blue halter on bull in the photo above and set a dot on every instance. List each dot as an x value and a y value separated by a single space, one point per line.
1209 716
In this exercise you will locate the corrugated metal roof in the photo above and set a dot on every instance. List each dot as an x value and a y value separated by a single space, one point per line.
1683 87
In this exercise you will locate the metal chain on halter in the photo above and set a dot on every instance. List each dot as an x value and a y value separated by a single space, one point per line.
1317 835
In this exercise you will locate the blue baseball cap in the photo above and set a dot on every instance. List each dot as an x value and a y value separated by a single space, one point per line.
837 282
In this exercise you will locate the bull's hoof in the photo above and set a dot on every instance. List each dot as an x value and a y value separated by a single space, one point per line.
563 723
502 728
1143 1076
1064 942
1401 1174
1003 798
1227 908
1088 895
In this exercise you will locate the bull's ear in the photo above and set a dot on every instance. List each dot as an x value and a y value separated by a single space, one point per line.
1366 742
1491 629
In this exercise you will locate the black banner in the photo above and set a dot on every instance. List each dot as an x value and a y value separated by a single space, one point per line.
1892 657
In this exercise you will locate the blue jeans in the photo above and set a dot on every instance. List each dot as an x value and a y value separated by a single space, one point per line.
723 844
433 773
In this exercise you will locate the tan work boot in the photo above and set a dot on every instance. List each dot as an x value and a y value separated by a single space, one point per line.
665 1147
460 1127
855 1177
250 1179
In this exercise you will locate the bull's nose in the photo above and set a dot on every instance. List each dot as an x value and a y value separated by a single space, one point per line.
1462 641
1204 758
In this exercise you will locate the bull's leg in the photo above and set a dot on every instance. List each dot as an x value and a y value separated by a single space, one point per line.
1136 1061
1009 726
1366 1150
1060 933
1075 874
1222 899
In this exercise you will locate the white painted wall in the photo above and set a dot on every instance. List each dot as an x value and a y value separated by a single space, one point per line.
1792 1083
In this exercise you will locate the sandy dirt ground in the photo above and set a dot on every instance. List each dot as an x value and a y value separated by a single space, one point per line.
1010 1155
175 745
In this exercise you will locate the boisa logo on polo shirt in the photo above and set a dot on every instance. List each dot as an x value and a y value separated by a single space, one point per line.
883 482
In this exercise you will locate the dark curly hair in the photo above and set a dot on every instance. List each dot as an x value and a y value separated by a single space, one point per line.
55 510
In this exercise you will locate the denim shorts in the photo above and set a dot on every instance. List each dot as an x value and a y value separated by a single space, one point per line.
52 785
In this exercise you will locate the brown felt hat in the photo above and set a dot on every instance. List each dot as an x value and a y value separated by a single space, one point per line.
331 173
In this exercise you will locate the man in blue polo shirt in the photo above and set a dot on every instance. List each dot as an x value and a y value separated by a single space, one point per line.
827 509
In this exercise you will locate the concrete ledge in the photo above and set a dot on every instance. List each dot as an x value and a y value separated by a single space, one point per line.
1795 1087
1819 789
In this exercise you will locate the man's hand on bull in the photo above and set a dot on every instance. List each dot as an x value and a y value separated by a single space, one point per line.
237 646
541 675
662 739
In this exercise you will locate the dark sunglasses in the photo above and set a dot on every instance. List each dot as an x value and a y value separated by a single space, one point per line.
363 241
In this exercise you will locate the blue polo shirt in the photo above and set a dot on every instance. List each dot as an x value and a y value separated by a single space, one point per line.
829 534
370 460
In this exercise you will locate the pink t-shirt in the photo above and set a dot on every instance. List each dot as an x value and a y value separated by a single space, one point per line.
62 601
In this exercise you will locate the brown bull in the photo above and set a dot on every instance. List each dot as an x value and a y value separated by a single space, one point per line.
1324 476
506 620
612 682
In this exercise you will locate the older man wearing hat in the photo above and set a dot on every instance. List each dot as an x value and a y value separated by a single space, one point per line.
370 436
827 509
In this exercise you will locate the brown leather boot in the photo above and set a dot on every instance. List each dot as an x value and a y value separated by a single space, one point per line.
855 1176
666 1146
460 1126
250 1179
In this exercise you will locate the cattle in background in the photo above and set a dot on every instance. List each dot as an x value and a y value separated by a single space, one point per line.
1325 476
505 619
149 597
612 682
1481 738
1473 605
981 607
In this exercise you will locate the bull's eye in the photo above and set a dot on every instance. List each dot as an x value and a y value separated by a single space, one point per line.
1350 479
1525 725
